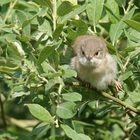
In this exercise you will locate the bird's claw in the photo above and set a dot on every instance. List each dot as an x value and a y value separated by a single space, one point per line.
117 85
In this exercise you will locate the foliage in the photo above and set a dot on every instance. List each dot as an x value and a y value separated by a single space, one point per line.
35 76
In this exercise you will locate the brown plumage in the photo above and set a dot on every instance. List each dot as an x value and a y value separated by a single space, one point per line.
93 63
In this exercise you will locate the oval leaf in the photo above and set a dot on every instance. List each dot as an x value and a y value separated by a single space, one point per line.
116 29
73 134
134 24
112 10
45 53
66 110
94 10
40 113
72 96
71 14
64 8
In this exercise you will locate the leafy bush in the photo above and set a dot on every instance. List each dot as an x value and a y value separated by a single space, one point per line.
35 76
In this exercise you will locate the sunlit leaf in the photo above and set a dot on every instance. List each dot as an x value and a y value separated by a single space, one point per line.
58 30
45 27
40 113
64 8
126 75
73 96
94 10
121 3
6 69
136 17
73 134
66 110
45 53
112 10
117 29
51 83
43 2
2 2
71 14
134 24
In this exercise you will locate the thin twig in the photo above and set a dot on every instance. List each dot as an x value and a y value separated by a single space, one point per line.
125 65
117 100
129 6
60 89
94 26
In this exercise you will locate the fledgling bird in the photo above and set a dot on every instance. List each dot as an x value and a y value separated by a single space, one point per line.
93 62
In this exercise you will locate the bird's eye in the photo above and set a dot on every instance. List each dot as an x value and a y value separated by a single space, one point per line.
83 53
97 53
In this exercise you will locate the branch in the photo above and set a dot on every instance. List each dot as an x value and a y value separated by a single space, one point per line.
117 100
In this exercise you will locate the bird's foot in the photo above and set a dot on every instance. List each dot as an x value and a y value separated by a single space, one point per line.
117 85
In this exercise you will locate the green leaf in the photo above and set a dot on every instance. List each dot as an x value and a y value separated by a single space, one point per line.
80 28
115 32
28 21
45 53
10 37
15 50
19 94
45 27
40 113
6 69
134 54
126 75
80 125
74 2
73 134
130 84
132 37
21 16
117 29
72 96
136 17
53 82
2 2
64 8
133 98
44 2
69 73
72 14
58 31
134 24
40 130
47 67
121 3
94 10
112 10
66 110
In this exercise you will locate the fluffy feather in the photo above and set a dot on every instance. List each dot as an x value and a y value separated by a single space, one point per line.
93 63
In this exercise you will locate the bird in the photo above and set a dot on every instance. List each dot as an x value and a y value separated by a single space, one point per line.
93 63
